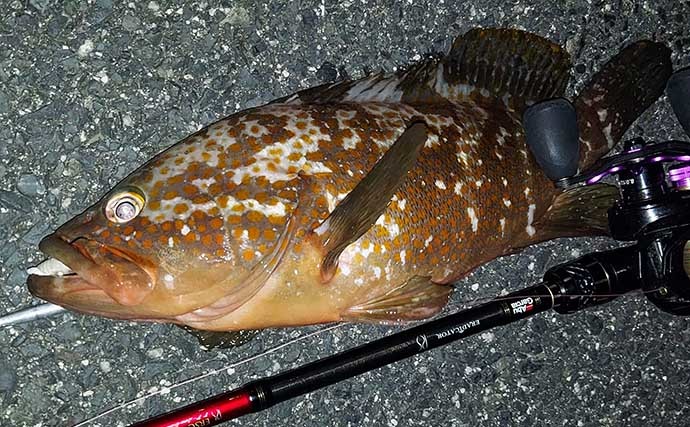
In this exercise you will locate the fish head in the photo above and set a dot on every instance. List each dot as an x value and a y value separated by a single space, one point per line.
179 234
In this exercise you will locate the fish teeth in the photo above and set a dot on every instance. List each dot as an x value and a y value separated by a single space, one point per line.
50 267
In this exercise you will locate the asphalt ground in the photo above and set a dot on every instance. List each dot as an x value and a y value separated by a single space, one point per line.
91 89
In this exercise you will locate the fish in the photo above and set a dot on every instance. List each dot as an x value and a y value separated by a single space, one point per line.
361 200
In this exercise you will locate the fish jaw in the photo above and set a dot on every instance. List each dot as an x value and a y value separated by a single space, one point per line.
90 277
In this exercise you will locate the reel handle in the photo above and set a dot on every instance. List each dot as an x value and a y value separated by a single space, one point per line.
552 136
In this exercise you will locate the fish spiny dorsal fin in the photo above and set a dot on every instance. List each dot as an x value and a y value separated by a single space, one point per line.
360 209
502 62
514 65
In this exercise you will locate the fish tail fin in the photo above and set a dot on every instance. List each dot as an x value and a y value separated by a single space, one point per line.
618 94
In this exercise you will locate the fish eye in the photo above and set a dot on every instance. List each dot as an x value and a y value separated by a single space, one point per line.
124 206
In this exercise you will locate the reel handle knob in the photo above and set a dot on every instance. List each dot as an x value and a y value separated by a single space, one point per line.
552 135
678 91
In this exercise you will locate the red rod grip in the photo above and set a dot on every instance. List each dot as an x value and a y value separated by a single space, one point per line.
209 412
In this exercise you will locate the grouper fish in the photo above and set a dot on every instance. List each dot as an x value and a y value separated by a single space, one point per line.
359 200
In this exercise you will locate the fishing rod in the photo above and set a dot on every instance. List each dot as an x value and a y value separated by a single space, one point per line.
653 180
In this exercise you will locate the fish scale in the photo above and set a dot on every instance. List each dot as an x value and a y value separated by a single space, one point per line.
359 200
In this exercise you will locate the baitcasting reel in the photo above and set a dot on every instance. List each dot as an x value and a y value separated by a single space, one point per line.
654 182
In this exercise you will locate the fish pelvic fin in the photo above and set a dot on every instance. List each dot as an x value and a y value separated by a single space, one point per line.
513 65
618 94
418 298
581 211
211 340
360 209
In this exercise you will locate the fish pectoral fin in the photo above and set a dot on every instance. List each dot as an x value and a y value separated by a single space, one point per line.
360 209
416 299
211 340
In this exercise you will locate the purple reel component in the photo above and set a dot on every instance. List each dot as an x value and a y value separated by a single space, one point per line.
680 177
636 155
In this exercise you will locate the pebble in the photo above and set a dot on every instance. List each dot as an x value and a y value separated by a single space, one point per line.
30 185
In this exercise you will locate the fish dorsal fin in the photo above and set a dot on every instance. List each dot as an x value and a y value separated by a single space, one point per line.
360 209
418 298
504 63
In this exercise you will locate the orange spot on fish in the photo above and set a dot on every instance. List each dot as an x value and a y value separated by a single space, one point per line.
177 179
189 190
269 234
255 216
248 254
181 208
216 223
276 220
169 195
254 233
154 205
207 240
190 237
215 189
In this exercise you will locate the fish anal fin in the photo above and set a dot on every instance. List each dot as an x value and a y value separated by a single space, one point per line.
581 211
360 209
418 298
210 340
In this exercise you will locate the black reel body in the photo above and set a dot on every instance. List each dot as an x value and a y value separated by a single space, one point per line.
653 209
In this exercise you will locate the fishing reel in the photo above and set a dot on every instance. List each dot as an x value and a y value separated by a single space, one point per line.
653 178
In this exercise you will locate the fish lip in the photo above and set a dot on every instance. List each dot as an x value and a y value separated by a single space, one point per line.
73 256
41 287
89 274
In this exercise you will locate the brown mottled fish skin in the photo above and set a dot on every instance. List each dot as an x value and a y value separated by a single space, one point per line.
226 239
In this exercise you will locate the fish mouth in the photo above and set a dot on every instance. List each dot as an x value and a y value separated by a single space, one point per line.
88 276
